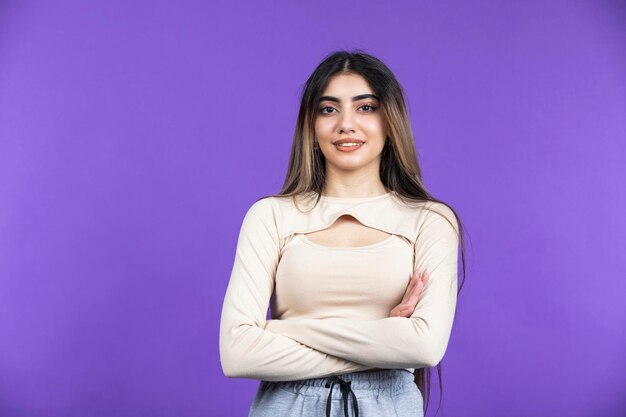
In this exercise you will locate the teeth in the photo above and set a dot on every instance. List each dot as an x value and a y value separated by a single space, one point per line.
348 144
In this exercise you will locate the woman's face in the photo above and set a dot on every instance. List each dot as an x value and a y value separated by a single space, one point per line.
349 109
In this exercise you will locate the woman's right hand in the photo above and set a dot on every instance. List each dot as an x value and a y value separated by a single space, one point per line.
411 295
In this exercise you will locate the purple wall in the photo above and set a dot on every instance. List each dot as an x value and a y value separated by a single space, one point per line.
134 137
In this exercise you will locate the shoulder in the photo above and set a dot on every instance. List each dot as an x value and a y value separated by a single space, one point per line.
260 221
270 210
420 210
440 209
262 210
440 214
262 205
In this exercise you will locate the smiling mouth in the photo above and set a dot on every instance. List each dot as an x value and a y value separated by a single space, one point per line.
349 144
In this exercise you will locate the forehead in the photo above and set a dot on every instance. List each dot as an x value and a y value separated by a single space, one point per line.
346 86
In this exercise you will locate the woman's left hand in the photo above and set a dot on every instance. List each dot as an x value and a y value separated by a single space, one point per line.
412 294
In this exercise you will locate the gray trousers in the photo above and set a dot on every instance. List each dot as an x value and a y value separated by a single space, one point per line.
389 392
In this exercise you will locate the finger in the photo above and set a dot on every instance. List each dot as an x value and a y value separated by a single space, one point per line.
409 289
419 285
417 291
403 310
412 301
409 299
416 286
397 311
394 312
406 311
415 295
421 282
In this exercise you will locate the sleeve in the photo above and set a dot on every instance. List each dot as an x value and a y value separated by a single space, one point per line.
246 349
417 341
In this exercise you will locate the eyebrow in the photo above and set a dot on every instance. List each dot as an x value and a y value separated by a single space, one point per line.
355 98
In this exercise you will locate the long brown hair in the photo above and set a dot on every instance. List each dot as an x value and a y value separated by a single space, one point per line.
399 167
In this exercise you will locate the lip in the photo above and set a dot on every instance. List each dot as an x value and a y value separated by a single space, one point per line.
352 140
353 148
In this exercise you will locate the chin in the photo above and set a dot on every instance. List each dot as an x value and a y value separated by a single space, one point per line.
350 165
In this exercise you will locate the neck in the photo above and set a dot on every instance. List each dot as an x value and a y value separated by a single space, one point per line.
353 184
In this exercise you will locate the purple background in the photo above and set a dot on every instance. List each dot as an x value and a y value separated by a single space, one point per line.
134 137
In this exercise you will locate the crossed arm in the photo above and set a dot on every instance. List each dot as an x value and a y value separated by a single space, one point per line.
253 347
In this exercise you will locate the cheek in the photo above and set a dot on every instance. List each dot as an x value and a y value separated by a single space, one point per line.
323 130
375 127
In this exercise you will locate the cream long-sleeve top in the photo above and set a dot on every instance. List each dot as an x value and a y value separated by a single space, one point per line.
330 306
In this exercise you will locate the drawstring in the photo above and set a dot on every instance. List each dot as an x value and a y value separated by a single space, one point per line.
345 389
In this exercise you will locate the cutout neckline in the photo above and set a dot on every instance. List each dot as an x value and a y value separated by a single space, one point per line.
305 239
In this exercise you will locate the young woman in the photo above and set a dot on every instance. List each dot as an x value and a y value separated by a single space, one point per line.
355 259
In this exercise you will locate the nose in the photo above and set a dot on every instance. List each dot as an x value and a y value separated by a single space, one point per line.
346 122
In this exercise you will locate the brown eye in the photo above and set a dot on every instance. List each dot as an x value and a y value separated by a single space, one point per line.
327 107
372 108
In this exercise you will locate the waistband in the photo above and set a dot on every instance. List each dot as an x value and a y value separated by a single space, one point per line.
395 380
